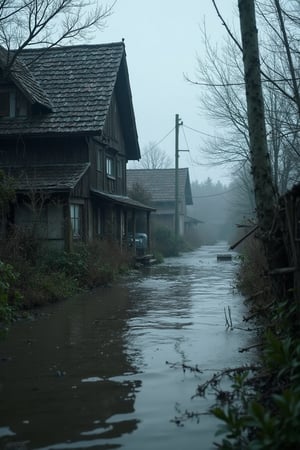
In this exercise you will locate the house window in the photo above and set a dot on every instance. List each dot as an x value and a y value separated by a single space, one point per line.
110 167
76 220
99 165
4 104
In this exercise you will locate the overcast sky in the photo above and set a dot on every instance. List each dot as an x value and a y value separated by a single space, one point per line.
162 39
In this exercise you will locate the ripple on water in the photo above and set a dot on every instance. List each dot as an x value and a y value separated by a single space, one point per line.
112 346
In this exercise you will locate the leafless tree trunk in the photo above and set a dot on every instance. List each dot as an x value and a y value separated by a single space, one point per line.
260 161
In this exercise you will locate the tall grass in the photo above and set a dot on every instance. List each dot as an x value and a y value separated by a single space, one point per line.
46 275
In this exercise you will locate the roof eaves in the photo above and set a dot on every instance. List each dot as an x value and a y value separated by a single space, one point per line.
34 95
26 180
131 130
122 200
22 77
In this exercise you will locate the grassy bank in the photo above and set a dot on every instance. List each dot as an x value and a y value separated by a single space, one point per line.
33 275
262 411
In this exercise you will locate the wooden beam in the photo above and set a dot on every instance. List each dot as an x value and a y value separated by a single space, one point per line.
68 235
233 246
282 270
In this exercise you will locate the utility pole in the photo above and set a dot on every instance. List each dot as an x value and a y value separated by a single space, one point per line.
176 177
178 122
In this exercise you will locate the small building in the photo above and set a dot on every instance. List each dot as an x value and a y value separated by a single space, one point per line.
67 131
160 185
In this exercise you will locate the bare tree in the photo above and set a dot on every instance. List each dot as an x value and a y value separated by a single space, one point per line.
48 23
139 193
222 97
154 157
260 161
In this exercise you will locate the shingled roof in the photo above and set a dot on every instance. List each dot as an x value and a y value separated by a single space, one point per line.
54 177
160 183
79 81
25 81
122 200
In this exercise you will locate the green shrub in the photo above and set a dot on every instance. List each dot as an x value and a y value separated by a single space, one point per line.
44 288
47 275
158 256
9 295
265 415
164 241
72 264
251 276
104 261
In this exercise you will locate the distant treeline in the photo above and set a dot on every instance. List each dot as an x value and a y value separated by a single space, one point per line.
221 207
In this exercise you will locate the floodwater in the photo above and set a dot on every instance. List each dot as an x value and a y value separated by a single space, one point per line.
104 370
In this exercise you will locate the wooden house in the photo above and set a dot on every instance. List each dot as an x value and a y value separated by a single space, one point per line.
160 184
67 131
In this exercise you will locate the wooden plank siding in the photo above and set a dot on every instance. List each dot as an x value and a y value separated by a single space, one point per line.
73 139
41 150
112 130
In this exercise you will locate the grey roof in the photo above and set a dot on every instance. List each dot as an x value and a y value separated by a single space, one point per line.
160 183
55 177
25 81
192 220
122 200
80 81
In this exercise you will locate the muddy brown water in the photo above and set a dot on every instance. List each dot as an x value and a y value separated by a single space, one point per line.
92 372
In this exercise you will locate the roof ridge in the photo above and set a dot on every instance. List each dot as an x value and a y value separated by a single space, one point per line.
80 80
167 168
68 47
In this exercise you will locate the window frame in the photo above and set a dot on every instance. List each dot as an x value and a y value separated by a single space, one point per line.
110 167
76 214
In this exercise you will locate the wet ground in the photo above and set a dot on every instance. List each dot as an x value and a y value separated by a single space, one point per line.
103 370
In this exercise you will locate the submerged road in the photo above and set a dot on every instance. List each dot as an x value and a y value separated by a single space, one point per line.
92 372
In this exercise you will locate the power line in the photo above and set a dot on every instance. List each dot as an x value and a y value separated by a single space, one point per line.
240 83
215 195
158 142
186 142
198 131
222 139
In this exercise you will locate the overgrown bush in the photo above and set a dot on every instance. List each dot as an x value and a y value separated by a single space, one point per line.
251 277
262 411
165 243
47 275
72 264
104 261
9 296
43 288
21 246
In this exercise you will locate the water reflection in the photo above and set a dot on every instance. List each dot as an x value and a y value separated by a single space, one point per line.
44 398
91 372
